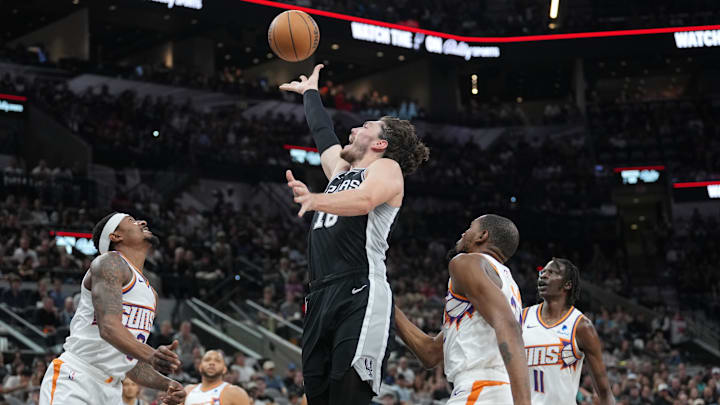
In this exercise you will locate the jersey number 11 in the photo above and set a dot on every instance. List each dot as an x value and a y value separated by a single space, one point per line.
539 380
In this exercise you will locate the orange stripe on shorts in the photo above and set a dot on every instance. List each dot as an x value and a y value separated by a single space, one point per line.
57 363
477 388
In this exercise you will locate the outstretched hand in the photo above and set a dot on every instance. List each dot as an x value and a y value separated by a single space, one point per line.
165 360
302 195
305 83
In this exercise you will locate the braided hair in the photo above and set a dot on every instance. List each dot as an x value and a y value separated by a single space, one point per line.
572 275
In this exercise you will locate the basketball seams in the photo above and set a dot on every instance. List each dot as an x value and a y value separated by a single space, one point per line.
281 37
274 39
292 41
310 37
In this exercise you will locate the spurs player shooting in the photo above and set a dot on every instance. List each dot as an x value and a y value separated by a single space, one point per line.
480 342
212 389
558 338
349 317
112 322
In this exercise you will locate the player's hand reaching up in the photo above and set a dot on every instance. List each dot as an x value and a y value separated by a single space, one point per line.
165 360
305 83
302 195
175 394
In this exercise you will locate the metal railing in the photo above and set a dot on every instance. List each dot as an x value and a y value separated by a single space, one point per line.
22 321
275 316
21 338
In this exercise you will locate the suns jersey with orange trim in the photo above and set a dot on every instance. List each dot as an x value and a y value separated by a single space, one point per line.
470 345
554 358
138 317
197 396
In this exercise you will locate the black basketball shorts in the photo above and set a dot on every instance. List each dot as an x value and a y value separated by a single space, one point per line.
349 322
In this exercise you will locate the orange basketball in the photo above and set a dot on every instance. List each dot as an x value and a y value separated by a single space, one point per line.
293 35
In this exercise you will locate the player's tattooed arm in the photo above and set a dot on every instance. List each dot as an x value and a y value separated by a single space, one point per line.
470 278
109 273
145 375
590 344
428 349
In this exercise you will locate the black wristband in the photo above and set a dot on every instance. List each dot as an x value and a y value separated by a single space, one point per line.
319 121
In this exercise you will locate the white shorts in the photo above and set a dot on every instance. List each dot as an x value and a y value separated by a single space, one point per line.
68 382
481 392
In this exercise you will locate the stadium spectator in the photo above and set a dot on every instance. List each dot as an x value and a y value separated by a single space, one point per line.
164 337
47 317
273 381
188 345
131 393
243 370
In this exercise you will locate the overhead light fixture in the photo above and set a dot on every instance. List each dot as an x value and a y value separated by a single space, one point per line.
166 17
227 56
76 2
269 55
220 44
335 47
473 84
380 54
256 61
193 21
554 6
112 7
401 58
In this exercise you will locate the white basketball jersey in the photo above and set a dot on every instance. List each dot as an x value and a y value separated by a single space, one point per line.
554 359
470 346
210 397
138 317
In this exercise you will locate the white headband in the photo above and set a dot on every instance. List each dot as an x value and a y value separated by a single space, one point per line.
109 228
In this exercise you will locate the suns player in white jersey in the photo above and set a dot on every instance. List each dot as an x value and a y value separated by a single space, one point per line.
112 322
481 342
558 338
212 390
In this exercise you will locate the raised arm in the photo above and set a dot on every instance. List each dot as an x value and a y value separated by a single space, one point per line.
383 184
428 349
470 278
589 343
108 274
320 123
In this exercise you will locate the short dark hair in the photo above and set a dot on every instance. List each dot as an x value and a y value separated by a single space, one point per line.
572 274
404 146
504 234
97 231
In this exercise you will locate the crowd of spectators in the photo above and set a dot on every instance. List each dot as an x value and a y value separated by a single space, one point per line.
681 133
549 184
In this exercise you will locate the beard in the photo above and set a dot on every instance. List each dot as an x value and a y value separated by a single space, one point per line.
154 241
454 251
212 376
353 154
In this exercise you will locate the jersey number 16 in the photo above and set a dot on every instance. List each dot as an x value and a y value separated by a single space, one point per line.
326 220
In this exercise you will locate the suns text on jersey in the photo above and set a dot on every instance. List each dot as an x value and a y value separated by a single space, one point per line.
548 355
138 317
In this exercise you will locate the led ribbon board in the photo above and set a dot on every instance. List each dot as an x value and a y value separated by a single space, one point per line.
416 41
10 103
194 4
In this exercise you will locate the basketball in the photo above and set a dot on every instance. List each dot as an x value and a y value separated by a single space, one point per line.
568 356
293 36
